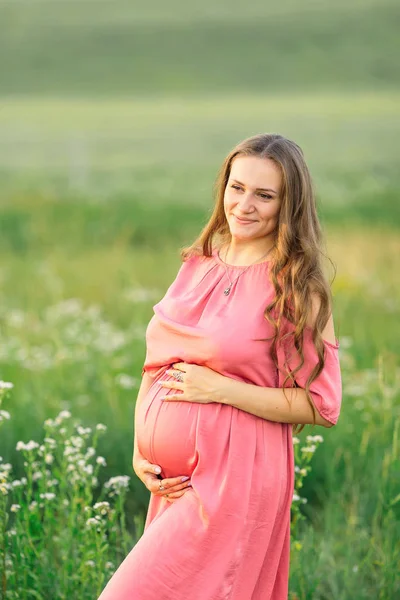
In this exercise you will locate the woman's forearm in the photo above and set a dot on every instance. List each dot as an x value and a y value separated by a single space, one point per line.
270 403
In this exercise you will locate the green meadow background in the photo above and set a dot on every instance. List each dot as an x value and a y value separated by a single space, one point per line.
114 120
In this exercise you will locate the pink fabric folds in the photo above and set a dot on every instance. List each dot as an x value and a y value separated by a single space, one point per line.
228 537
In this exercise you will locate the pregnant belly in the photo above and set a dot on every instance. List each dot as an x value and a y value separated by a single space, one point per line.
166 431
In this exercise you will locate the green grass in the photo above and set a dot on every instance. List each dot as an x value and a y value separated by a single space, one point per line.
167 150
72 356
100 221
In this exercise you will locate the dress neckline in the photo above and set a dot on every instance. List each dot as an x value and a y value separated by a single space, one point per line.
221 262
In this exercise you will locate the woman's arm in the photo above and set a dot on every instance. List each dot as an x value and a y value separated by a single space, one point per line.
271 403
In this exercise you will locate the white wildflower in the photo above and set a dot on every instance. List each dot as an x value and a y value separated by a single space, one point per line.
90 452
49 423
295 497
109 565
88 469
309 449
356 389
102 507
76 441
64 414
126 381
16 483
37 475
93 521
346 342
100 460
4 415
314 438
49 458
90 563
296 440
70 450
101 427
116 484
83 430
75 478
48 496
51 442
33 505
4 488
31 445
15 508
6 385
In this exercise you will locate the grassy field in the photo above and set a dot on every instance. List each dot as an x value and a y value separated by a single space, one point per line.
73 322
113 124
112 48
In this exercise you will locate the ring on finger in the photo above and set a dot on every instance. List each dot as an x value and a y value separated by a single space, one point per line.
178 376
161 487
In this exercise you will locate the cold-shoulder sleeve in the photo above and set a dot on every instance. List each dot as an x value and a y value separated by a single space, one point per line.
326 389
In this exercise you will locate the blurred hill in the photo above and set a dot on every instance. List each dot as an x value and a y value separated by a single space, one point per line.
120 47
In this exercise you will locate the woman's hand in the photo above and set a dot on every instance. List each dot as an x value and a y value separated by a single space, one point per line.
199 383
147 473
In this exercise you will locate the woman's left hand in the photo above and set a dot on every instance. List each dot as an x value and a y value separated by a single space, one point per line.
200 384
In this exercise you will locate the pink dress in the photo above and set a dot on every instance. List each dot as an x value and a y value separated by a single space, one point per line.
227 537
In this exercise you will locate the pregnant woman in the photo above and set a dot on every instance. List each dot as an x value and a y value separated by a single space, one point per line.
240 350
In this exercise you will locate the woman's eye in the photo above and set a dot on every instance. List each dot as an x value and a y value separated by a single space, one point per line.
266 196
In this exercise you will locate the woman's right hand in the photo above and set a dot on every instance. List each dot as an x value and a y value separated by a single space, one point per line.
147 473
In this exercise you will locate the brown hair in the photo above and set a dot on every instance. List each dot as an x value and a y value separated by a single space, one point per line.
296 268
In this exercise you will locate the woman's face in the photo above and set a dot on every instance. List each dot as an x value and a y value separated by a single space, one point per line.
253 193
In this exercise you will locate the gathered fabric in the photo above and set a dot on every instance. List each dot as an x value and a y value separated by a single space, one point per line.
228 536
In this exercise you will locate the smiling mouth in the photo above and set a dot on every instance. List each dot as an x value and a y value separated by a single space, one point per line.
244 220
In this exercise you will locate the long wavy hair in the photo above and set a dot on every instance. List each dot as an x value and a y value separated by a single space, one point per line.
296 266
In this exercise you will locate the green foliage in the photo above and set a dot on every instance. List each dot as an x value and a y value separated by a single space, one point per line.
55 539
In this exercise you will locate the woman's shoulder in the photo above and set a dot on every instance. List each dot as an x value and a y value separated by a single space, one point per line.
196 257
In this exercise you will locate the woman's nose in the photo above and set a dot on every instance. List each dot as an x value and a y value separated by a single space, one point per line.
246 203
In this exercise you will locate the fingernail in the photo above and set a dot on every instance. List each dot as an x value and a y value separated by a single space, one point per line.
157 469
185 478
